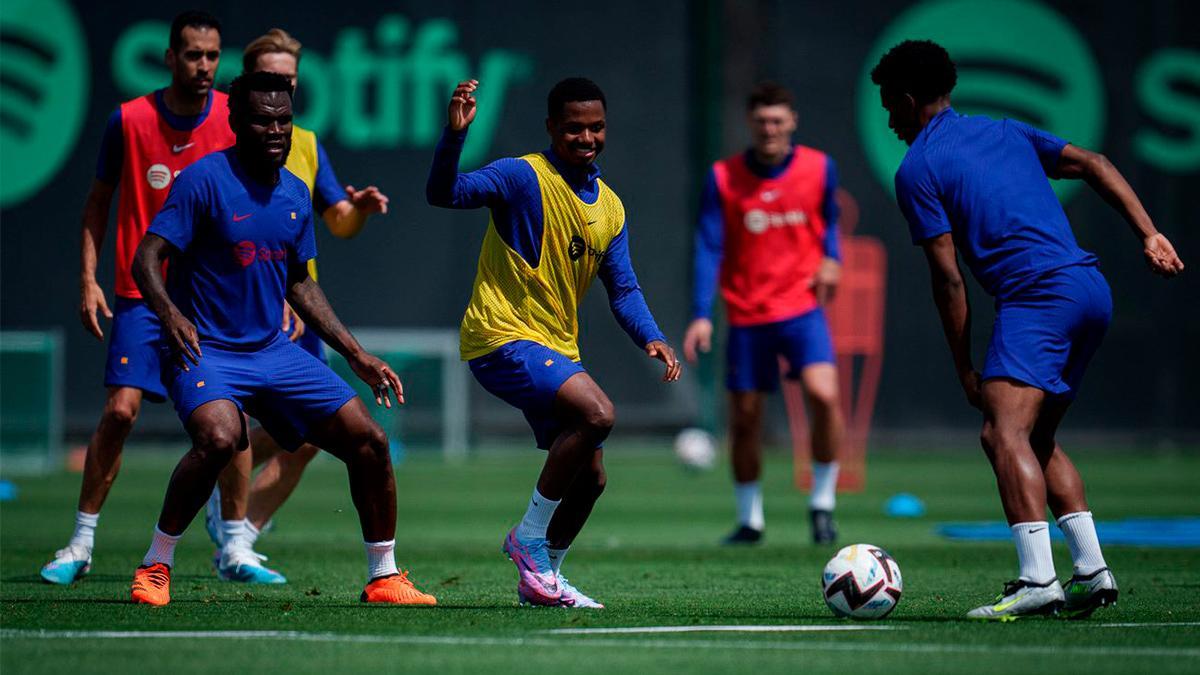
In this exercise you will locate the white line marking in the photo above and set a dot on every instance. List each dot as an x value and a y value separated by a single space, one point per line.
721 629
1146 624
616 643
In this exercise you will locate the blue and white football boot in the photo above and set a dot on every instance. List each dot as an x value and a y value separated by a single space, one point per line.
69 564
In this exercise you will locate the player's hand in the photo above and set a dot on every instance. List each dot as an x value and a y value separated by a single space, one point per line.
663 352
91 300
972 384
183 339
462 105
697 338
380 377
292 322
1161 256
826 280
368 200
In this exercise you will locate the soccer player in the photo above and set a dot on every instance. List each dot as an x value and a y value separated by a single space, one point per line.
237 230
345 211
978 187
768 223
555 225
147 142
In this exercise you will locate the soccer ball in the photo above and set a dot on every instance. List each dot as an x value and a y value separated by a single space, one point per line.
696 449
862 582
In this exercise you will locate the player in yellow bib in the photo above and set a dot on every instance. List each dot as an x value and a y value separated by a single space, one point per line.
240 509
555 226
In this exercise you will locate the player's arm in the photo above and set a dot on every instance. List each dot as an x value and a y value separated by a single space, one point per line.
628 305
308 300
148 262
448 188
829 274
950 296
708 248
1095 169
345 209
95 224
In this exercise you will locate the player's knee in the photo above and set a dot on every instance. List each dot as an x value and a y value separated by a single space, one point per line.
997 438
824 401
599 420
217 444
120 412
373 443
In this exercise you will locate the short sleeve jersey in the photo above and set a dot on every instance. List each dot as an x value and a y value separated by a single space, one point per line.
236 237
985 182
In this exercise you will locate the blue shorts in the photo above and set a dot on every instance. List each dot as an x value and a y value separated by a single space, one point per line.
752 354
527 375
133 349
312 343
1046 333
282 386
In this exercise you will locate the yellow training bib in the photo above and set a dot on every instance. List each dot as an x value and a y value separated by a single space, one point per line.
302 161
514 301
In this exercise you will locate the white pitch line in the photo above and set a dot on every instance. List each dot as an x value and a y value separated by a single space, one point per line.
687 644
720 629
1147 624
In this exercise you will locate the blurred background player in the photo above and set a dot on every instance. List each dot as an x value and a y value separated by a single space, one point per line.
979 187
147 142
554 227
238 232
768 230
241 508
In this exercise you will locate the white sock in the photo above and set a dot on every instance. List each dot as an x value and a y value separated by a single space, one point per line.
162 548
234 532
1080 531
556 556
537 517
749 504
824 486
1033 551
85 530
251 533
381 558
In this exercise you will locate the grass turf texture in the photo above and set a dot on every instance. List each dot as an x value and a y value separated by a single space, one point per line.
649 553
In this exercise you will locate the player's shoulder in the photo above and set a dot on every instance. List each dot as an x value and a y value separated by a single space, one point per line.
295 189
914 167
139 107
209 167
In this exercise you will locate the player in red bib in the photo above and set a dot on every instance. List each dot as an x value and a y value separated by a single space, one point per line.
768 223
147 142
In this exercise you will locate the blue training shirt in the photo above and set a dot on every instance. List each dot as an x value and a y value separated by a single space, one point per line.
985 182
708 246
327 191
509 187
236 237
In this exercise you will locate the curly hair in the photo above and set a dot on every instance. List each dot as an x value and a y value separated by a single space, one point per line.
571 90
920 68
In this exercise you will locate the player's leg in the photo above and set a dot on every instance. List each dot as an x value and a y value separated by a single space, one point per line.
820 384
1011 410
100 468
353 437
275 482
226 516
745 438
218 431
568 520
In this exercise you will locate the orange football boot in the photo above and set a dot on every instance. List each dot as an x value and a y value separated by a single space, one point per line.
396 589
151 585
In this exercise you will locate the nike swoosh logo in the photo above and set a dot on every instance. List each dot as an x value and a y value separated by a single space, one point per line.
1006 605
591 222
180 148
1037 530
238 219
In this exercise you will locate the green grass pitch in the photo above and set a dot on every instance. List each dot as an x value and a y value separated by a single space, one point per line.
649 553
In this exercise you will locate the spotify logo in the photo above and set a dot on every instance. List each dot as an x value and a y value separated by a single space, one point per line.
43 92
1015 58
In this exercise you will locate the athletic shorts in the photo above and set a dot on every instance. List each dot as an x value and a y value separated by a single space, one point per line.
282 386
1046 333
133 349
527 376
312 343
752 353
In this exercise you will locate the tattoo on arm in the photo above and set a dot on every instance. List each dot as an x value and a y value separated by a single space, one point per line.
147 274
307 298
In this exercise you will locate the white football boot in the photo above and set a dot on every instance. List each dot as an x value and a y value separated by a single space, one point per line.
1022 598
